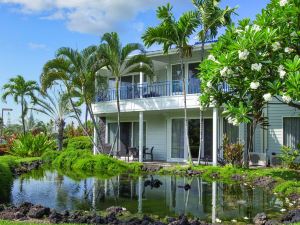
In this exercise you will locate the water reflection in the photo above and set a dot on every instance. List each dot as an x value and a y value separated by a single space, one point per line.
165 197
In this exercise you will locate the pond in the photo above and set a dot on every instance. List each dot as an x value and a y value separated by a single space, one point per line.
157 195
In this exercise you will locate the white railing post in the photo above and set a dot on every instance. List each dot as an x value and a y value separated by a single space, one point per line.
141 82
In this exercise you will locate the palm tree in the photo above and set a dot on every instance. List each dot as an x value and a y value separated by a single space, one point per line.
77 71
117 60
171 33
22 91
211 18
58 108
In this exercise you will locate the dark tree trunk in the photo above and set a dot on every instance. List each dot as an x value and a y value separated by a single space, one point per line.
60 136
249 148
23 116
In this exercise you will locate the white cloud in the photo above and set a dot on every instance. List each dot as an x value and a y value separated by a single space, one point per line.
139 26
34 46
88 16
59 15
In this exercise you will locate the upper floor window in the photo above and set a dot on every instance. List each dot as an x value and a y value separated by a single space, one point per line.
193 81
291 131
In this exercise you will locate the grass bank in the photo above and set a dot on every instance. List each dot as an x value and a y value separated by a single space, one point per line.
287 180
7 163
82 163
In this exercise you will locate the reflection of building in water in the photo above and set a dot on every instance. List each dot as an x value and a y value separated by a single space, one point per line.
207 201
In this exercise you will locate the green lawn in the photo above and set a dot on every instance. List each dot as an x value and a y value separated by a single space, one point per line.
288 181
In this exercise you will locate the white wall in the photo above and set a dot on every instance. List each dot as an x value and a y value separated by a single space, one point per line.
276 114
157 136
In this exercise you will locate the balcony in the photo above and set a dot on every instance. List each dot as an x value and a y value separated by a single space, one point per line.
149 90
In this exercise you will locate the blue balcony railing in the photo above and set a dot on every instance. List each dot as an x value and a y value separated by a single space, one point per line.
147 90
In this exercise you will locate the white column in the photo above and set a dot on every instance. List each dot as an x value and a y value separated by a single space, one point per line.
215 136
95 139
141 82
214 202
141 135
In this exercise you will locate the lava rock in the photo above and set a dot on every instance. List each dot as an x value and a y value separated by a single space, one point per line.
260 219
8 215
111 218
26 167
97 220
193 173
25 207
237 177
38 212
158 223
272 222
115 209
292 216
55 217
147 218
182 220
171 219
294 197
267 182
215 175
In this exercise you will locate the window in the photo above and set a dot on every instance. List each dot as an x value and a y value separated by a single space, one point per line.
177 79
177 138
291 131
232 132
193 81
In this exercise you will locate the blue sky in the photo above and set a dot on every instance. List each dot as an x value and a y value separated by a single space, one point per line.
32 30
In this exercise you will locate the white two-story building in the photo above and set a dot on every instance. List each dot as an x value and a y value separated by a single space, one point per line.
152 113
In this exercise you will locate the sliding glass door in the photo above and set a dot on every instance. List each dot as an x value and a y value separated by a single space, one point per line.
177 139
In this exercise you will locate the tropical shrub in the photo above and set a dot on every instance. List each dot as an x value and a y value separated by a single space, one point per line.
30 145
253 63
289 157
79 143
85 163
233 153
68 157
50 156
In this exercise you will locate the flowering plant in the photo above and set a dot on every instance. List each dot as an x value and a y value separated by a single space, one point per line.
262 58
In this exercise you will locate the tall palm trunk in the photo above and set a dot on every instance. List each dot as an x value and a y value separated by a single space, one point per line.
94 121
118 132
23 115
82 125
60 136
86 116
201 128
187 141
